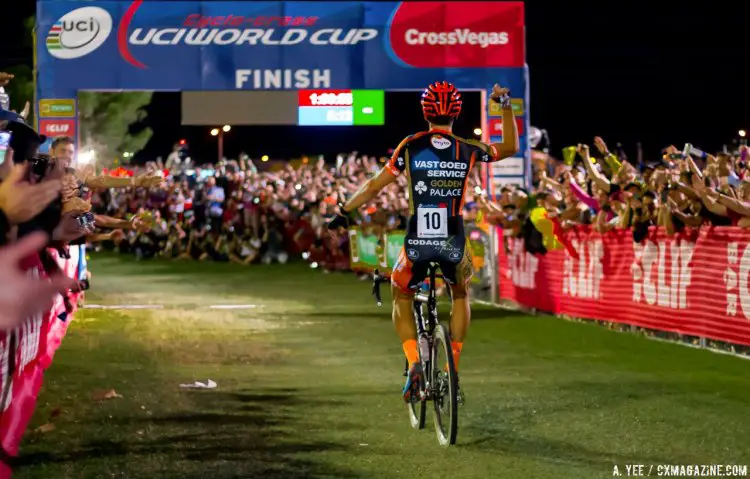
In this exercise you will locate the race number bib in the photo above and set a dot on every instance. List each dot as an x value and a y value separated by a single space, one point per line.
432 222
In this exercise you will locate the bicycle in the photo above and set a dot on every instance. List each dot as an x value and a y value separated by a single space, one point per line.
440 381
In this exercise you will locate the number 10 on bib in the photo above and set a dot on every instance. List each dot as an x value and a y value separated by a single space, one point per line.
432 222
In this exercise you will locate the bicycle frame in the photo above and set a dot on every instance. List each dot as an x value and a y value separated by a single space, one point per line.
426 326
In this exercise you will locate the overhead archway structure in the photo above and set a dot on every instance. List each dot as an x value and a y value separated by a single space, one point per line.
343 47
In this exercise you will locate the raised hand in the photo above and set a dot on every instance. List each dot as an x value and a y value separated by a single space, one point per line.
583 150
149 181
21 295
600 145
69 229
498 93
20 200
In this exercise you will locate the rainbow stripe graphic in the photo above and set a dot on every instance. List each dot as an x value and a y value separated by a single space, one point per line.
53 38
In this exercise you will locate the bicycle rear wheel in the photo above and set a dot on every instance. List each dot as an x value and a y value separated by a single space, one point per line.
444 385
417 409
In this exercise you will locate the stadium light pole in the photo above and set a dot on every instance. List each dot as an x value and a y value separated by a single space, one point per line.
220 133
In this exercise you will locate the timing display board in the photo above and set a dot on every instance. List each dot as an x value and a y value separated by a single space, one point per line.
341 107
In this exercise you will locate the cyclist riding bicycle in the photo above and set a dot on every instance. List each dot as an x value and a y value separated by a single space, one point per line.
437 164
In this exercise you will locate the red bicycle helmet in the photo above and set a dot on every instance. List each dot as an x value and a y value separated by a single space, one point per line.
441 101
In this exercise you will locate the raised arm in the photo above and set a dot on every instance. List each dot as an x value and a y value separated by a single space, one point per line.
710 201
596 175
735 205
510 144
387 175
582 196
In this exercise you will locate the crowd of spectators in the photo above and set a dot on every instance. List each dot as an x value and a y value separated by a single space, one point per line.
676 189
233 211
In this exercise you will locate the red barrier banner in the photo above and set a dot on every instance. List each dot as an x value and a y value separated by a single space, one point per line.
25 352
693 283
20 351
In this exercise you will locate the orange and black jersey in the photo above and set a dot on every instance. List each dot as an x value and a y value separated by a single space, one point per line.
437 164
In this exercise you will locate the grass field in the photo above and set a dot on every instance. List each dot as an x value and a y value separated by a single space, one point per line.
309 383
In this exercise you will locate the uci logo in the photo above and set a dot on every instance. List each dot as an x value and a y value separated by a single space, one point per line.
79 33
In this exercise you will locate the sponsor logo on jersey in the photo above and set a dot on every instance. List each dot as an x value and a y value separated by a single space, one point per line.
400 162
412 254
446 174
440 143
440 165
420 187
443 193
446 183
421 242
455 255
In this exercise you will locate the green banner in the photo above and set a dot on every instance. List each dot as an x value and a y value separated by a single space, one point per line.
363 250
368 252
394 241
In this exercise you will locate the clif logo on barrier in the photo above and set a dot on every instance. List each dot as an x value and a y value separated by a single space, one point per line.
522 266
661 273
736 280
79 33
458 34
582 277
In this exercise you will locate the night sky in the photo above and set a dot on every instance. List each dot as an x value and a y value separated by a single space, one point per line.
628 71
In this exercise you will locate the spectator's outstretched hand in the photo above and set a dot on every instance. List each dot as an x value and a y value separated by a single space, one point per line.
600 145
149 181
583 150
22 296
5 78
20 200
69 229
140 224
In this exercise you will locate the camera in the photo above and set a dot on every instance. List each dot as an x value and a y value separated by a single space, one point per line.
40 165
86 219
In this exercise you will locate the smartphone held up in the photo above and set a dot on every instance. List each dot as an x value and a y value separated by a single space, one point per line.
4 145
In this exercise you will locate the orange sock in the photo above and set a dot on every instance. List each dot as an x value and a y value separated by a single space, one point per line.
456 347
410 350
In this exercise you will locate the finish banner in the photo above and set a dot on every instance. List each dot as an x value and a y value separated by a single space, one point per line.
194 46
233 45
693 283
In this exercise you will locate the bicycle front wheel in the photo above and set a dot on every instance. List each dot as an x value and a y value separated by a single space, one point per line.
444 387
